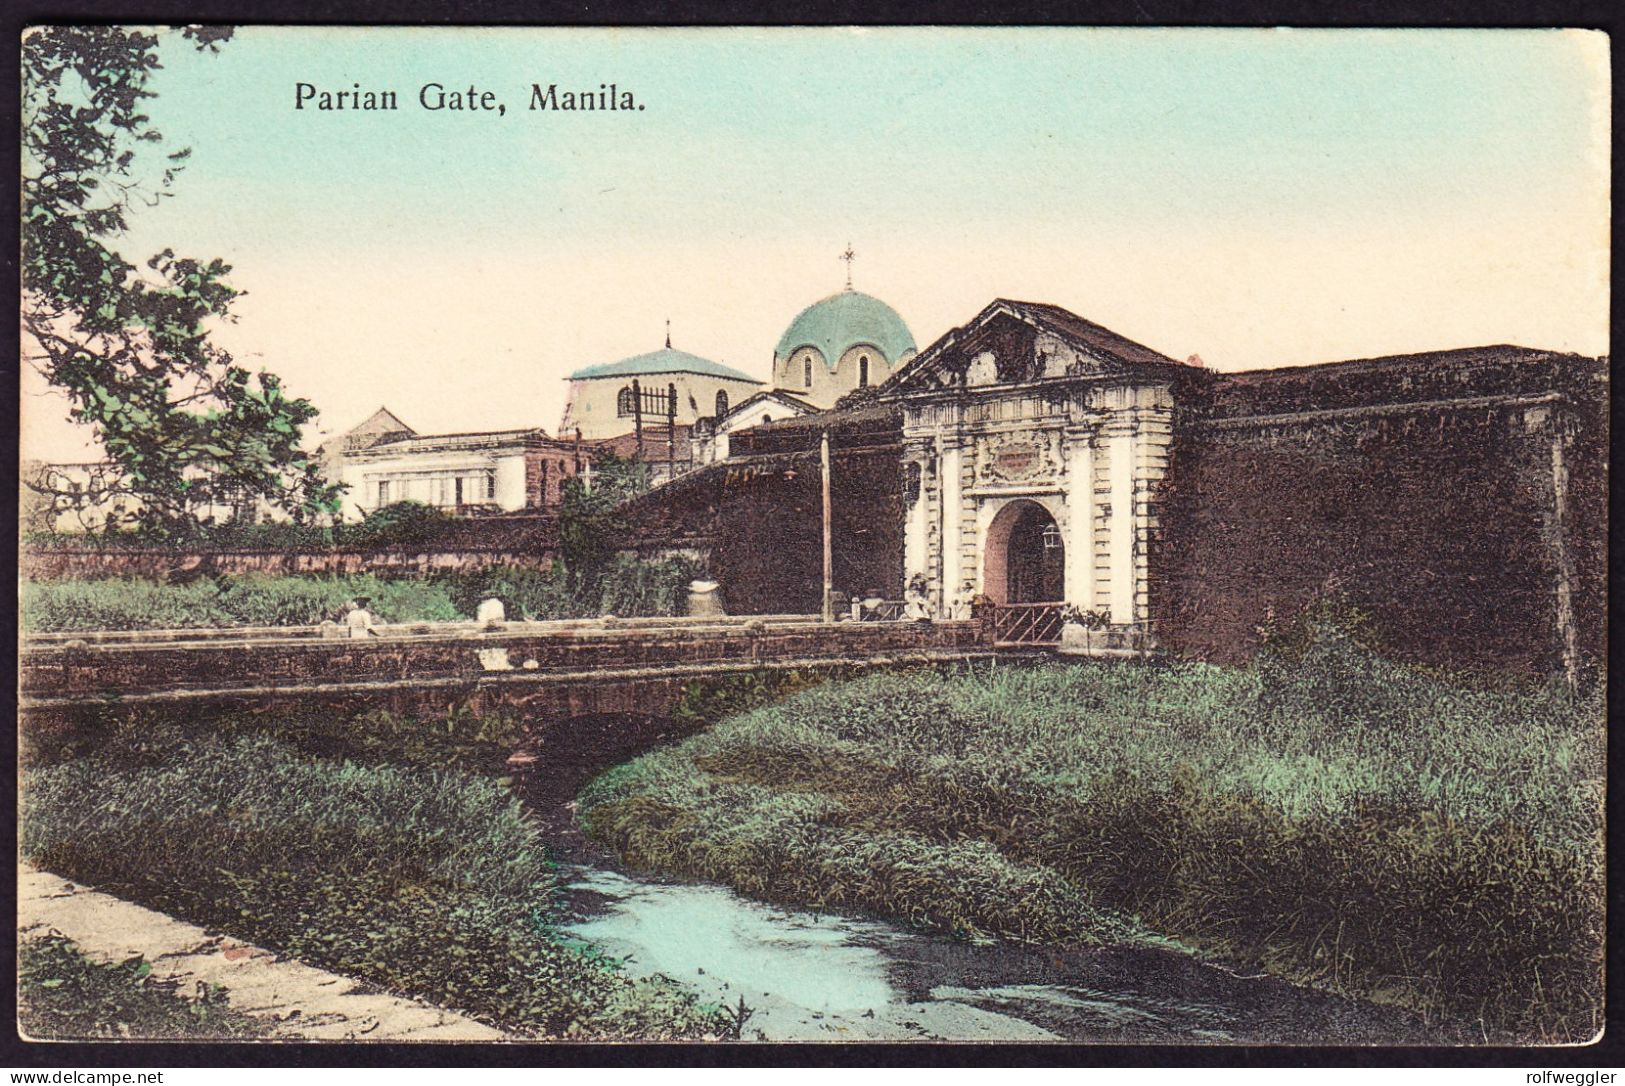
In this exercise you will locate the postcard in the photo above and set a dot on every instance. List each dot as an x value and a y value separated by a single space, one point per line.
813 535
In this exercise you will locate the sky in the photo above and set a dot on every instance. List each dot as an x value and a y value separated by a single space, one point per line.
1258 197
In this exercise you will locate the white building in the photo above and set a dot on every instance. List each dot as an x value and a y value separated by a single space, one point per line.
710 436
485 472
651 392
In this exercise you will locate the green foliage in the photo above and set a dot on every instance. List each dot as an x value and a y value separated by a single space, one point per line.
458 739
592 526
632 587
400 523
248 600
64 996
528 594
183 425
626 586
1344 821
707 701
429 883
119 604
266 600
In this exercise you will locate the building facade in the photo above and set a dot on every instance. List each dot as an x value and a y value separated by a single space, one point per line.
650 393
1033 444
1033 460
503 471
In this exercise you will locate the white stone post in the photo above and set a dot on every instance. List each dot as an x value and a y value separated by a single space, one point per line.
1080 519
952 545
1120 527
915 557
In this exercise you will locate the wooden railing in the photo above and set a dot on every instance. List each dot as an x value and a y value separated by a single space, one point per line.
884 611
1028 623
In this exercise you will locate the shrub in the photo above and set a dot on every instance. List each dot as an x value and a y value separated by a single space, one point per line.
632 587
119 604
528 594
400 523
248 600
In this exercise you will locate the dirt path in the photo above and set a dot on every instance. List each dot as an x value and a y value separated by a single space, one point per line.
305 1003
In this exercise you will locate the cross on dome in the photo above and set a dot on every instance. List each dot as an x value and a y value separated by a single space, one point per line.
849 256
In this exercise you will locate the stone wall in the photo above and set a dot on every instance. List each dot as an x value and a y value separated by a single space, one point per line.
59 564
1465 515
469 543
768 552
570 655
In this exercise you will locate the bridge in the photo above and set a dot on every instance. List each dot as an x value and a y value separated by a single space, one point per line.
557 669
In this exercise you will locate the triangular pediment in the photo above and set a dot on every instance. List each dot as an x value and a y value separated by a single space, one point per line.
1012 343
754 401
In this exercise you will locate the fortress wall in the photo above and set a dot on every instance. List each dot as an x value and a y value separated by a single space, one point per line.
1472 529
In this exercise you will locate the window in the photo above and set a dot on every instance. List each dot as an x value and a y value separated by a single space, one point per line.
625 405
863 371
490 486
722 403
383 492
766 419
806 372
458 491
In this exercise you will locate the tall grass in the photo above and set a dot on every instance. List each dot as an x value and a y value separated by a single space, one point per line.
628 587
1337 819
252 599
430 884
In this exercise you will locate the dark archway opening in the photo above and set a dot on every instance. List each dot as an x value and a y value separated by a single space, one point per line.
1026 556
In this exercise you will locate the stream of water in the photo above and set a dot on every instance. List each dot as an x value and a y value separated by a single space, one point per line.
830 977
824 977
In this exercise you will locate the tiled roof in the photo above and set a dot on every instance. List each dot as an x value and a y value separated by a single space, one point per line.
665 360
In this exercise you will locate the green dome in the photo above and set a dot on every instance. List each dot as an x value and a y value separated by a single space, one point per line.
846 320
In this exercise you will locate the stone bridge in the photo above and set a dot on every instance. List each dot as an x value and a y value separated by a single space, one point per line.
559 670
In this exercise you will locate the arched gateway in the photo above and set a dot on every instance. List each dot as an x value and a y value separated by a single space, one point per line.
1024 556
1033 446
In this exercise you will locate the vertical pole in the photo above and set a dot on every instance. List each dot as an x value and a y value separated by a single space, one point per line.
829 587
671 434
637 416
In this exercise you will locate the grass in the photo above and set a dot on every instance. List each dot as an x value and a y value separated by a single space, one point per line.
427 883
628 587
1334 818
64 996
131 603
459 740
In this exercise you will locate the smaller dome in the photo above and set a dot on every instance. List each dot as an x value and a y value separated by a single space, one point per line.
842 321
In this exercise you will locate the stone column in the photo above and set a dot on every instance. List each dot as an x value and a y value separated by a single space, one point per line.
947 585
1120 526
916 482
1080 517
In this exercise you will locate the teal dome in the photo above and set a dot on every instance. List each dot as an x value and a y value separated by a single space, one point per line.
846 320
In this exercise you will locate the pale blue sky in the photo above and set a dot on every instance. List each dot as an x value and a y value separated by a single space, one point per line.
1259 197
